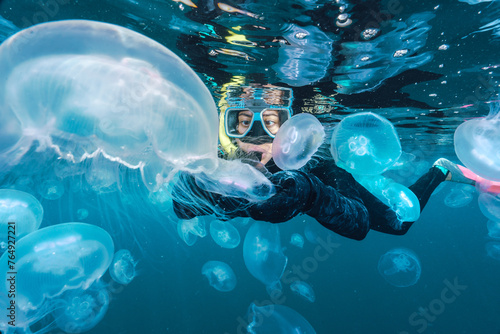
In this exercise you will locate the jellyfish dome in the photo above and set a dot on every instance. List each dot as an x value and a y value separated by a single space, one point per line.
53 260
477 144
277 319
263 254
80 310
365 144
122 269
224 234
296 141
21 211
400 267
81 88
219 275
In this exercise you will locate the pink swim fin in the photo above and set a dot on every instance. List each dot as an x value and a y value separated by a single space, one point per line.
484 184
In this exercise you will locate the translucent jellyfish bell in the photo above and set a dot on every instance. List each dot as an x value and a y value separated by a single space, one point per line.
219 275
113 92
400 267
489 204
365 144
398 197
79 310
277 319
263 255
190 230
459 196
297 240
304 290
477 144
224 234
53 260
20 208
296 141
122 269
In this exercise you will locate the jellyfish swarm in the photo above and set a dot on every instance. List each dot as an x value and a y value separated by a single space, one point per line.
277 319
224 234
400 267
51 261
477 144
304 290
396 196
263 255
219 275
114 93
20 213
122 269
80 310
296 141
365 144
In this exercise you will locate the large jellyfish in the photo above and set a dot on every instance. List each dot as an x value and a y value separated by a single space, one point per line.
297 140
113 92
219 275
477 144
277 319
51 261
400 267
20 213
263 255
365 144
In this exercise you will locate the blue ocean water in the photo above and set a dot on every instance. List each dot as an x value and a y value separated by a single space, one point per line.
422 70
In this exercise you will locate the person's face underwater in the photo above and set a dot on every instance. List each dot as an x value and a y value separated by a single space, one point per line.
270 117
271 120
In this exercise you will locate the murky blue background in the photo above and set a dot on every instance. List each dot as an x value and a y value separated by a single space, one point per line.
426 93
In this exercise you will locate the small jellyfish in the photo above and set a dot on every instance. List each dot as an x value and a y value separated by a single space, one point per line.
365 144
263 254
297 240
184 233
477 144
304 290
400 267
459 196
219 275
489 204
224 234
51 189
277 319
122 268
493 250
297 140
82 214
80 310
20 212
311 234
493 229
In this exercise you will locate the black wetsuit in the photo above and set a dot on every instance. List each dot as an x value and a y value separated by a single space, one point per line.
327 193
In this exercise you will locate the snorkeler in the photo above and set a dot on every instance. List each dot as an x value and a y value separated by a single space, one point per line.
249 121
